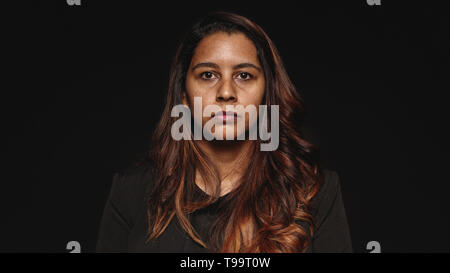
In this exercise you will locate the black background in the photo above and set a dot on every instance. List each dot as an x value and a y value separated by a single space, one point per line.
87 87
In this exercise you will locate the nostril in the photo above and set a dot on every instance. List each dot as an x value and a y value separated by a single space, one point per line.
221 98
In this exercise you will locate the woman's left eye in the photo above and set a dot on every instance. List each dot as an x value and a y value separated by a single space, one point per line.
245 75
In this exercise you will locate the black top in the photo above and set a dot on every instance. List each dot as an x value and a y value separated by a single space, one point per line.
123 225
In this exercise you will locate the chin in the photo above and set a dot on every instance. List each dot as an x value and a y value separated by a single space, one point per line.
224 132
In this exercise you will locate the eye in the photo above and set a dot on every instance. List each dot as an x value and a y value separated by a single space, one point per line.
245 76
207 75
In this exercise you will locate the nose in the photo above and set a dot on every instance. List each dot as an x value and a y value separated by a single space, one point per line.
226 92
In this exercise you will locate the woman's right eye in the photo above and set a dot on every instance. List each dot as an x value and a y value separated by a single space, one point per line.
207 75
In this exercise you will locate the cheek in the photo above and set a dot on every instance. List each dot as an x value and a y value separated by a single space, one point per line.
206 98
254 95
261 90
195 88
190 90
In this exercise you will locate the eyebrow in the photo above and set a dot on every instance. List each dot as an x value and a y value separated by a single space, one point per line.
213 65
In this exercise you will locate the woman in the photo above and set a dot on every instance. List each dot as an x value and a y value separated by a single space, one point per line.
221 195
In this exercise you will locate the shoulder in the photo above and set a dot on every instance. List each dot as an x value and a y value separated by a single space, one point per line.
329 186
134 177
129 187
329 192
332 233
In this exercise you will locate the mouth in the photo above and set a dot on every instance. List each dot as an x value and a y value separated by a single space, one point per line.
225 115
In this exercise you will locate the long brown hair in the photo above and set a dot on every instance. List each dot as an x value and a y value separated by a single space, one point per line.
270 209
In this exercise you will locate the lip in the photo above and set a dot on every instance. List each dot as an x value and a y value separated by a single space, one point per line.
226 115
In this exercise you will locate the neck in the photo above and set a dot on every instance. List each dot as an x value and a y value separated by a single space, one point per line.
229 157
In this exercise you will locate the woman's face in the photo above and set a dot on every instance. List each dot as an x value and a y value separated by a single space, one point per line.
225 70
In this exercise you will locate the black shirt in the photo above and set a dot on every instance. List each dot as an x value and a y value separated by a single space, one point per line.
123 225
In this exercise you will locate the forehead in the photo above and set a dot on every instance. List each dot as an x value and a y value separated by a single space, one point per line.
225 48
